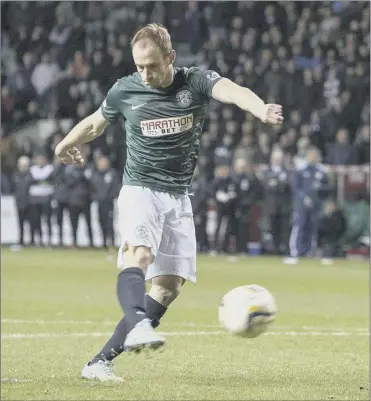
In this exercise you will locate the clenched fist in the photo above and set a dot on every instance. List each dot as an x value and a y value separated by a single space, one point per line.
273 114
69 154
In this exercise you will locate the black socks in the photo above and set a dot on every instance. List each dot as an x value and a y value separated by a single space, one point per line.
131 290
136 305
115 345
154 310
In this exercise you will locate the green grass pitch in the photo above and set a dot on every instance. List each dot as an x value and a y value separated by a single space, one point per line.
59 307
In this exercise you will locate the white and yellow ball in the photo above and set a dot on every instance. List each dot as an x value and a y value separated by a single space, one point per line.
247 311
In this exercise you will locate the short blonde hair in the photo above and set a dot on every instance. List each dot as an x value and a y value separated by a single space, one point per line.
157 34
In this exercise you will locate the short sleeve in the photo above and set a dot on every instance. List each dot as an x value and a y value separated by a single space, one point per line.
203 81
110 106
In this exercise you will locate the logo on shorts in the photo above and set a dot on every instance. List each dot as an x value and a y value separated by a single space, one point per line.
184 98
142 232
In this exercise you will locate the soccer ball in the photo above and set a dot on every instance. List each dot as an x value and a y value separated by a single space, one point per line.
247 311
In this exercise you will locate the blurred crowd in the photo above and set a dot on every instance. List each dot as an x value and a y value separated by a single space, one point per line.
46 193
290 200
60 58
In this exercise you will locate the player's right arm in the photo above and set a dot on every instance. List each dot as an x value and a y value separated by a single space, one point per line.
88 129
226 91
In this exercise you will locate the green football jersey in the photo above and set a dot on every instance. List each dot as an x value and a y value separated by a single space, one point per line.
163 127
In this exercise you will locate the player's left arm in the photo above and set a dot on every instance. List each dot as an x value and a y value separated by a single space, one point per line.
226 91
89 128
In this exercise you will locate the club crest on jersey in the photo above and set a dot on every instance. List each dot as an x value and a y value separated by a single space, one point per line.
184 98
212 75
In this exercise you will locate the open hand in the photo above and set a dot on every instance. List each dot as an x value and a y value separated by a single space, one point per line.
69 155
273 114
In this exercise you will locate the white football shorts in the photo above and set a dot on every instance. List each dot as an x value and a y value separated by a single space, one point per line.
162 222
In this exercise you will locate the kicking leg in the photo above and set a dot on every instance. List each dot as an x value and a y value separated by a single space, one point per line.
165 289
133 290
142 229
134 332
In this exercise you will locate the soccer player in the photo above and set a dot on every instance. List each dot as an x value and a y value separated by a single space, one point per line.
164 108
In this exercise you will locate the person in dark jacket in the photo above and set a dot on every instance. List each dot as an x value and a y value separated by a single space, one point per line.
41 192
199 195
278 202
310 187
105 187
60 198
248 193
22 180
342 152
223 191
79 200
331 230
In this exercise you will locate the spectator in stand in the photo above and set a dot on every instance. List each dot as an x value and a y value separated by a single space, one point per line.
342 152
105 188
60 197
32 113
306 94
78 68
79 200
223 192
45 75
22 180
278 202
331 86
41 192
223 154
301 156
264 151
248 190
331 230
295 119
290 145
19 81
247 149
7 106
118 65
363 145
200 191
291 79
100 69
9 151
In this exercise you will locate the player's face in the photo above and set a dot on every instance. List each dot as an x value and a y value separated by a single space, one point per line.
154 68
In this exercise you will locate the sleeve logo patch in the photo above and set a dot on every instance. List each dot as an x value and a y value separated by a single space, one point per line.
184 98
212 75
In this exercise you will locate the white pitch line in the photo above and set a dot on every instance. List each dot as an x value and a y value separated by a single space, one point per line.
335 328
180 333
174 325
14 380
103 323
